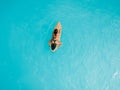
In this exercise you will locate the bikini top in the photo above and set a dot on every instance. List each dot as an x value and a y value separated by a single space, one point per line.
54 41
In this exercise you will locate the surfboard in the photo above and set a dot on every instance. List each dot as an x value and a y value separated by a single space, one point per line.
55 40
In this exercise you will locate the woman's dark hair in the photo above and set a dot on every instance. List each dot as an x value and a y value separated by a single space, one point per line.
53 46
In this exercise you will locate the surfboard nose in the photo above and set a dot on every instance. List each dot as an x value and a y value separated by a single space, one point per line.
58 26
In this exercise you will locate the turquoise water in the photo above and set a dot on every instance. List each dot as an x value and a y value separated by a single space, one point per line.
89 58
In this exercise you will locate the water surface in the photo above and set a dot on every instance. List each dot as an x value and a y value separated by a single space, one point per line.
89 58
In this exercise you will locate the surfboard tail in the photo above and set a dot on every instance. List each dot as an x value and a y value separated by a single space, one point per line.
58 26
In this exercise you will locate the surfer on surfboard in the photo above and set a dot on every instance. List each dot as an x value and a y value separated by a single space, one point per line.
55 40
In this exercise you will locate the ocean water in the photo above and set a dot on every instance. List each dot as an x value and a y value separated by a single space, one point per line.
89 58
